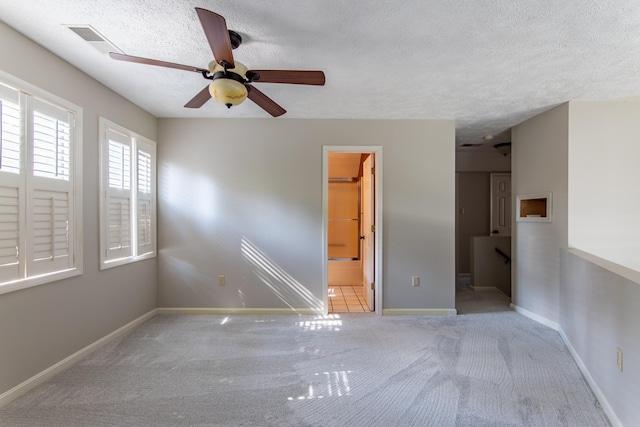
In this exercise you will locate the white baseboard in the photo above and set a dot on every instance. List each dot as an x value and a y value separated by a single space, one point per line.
50 372
245 311
606 407
419 312
531 315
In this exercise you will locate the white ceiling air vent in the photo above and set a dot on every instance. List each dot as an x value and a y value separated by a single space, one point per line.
94 38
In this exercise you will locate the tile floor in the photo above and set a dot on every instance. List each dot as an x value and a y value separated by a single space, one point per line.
347 299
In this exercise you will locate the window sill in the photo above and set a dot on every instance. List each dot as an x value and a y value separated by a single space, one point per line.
38 280
104 265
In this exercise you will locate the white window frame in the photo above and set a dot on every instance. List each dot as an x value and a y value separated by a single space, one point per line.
32 272
110 257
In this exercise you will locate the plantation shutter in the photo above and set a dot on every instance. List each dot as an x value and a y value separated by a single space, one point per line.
10 130
128 205
50 196
118 195
145 195
11 184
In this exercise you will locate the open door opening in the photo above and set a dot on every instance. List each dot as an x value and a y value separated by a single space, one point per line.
352 244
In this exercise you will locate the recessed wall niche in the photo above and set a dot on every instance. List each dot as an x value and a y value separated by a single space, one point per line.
534 207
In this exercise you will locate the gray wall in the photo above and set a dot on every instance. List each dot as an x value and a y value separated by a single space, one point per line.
600 313
42 325
539 164
242 197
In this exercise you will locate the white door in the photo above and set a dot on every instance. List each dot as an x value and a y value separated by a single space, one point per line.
368 230
500 204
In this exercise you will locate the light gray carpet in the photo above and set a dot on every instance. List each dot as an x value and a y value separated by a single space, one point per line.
489 369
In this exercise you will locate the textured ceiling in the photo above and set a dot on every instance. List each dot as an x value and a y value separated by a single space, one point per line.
488 64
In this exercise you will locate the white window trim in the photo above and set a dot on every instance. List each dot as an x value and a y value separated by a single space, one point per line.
76 270
104 125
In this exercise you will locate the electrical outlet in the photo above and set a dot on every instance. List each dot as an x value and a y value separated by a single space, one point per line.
415 281
221 280
619 358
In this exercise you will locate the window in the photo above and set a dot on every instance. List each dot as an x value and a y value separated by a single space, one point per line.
127 201
40 177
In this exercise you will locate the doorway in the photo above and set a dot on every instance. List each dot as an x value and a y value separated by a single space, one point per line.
352 188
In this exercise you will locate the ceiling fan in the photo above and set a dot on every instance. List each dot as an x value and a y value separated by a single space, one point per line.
231 81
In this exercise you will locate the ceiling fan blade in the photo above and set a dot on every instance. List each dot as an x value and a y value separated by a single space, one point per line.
140 60
215 28
289 76
264 102
200 99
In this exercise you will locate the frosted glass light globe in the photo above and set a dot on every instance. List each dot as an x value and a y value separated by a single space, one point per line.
227 91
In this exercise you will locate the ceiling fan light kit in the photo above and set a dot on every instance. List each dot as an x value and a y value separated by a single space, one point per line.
228 85
231 81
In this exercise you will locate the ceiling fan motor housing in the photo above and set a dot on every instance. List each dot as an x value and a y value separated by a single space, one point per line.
228 87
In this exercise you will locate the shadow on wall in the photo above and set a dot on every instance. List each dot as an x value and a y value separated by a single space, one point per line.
281 283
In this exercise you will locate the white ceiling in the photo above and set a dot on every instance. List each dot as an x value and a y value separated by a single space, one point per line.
488 64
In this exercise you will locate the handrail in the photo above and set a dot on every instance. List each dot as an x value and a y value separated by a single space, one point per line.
506 257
